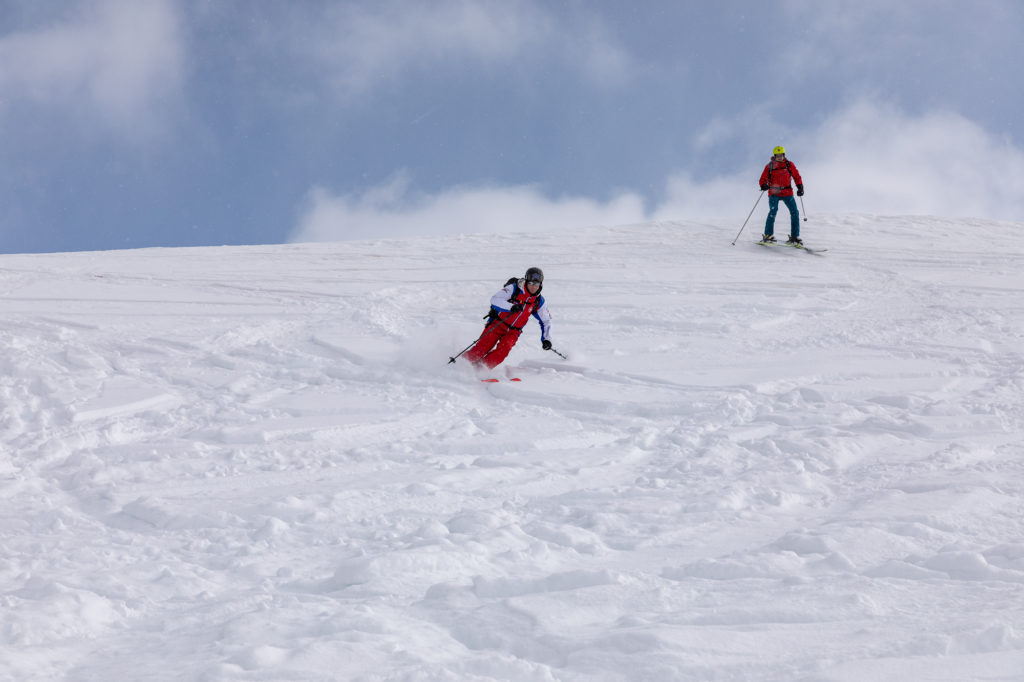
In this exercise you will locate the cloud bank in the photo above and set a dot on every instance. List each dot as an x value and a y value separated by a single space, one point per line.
875 159
867 158
395 210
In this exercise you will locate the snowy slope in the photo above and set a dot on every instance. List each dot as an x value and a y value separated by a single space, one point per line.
757 464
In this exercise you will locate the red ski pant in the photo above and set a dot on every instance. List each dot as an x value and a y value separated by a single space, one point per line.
494 345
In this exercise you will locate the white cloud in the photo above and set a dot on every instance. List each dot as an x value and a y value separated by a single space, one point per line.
876 159
119 60
366 45
394 210
867 158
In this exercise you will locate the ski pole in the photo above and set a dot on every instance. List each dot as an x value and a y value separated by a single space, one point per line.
802 210
557 353
459 354
748 217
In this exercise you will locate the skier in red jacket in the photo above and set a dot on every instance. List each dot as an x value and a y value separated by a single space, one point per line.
511 309
776 178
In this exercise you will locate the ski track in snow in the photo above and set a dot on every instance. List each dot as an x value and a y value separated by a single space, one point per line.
254 462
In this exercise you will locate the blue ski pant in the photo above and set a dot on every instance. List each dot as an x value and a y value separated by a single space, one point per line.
794 215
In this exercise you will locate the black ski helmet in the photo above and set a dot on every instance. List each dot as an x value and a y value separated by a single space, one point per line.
534 275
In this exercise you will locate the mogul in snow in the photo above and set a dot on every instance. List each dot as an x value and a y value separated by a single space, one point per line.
511 309
777 178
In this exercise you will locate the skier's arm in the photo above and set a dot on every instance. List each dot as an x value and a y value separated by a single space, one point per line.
795 173
543 316
502 301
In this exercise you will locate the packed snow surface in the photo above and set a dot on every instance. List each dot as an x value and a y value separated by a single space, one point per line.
256 463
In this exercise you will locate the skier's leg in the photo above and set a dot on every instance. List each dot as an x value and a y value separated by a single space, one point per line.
794 216
501 351
485 343
773 208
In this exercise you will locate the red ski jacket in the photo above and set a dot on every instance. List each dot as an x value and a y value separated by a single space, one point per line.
778 175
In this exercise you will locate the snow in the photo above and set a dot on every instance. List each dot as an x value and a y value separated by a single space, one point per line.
255 463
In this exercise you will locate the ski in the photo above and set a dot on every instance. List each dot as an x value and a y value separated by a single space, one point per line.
492 380
795 246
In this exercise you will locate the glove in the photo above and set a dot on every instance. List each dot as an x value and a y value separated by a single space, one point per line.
545 344
764 187
799 190
516 308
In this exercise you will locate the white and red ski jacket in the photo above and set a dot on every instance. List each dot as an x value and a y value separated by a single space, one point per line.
502 302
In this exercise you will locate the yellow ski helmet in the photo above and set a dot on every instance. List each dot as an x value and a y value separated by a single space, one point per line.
779 150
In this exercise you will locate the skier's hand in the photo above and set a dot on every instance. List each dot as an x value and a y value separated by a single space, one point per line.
545 344
764 187
799 190
516 308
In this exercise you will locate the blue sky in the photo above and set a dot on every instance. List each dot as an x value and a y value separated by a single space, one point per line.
130 124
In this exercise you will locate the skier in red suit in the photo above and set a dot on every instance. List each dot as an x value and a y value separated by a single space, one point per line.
776 179
511 309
